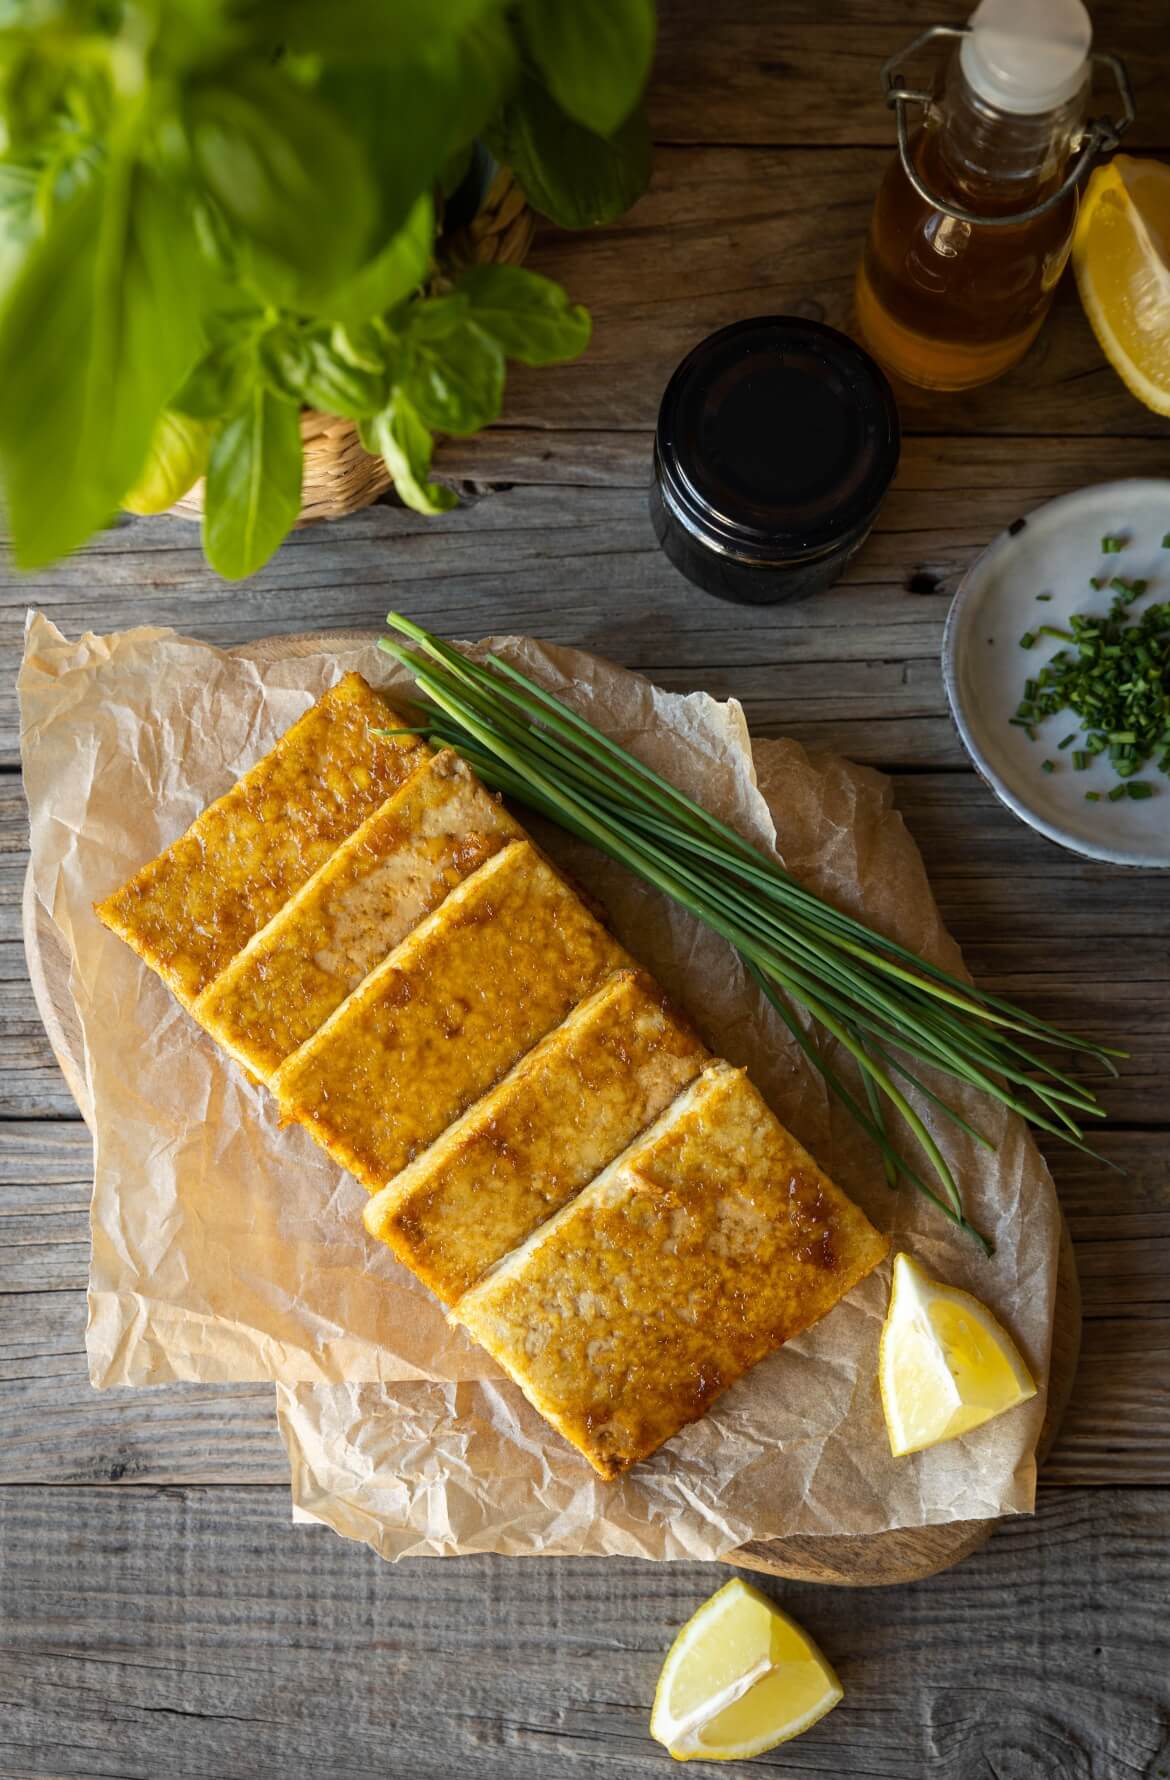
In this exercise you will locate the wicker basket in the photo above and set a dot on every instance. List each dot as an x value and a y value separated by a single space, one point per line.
340 476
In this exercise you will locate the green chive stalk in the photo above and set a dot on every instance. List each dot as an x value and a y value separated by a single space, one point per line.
884 1006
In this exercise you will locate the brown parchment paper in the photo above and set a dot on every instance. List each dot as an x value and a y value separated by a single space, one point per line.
227 1249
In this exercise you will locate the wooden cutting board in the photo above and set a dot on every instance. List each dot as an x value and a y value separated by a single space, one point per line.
903 1555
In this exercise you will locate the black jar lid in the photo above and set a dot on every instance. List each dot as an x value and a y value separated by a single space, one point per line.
777 439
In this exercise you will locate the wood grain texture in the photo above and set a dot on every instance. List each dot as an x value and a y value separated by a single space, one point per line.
726 232
30 1080
193 1634
808 72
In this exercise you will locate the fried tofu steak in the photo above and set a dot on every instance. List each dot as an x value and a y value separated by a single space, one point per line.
436 829
555 1120
496 966
713 1239
188 912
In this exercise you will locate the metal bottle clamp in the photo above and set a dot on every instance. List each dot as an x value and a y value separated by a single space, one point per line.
1100 135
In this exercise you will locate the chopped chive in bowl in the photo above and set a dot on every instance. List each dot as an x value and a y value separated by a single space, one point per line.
1114 677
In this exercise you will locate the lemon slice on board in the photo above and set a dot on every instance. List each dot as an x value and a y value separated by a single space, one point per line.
739 1678
945 1365
1121 258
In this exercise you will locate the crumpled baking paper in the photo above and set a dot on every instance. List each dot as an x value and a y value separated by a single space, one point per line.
225 1248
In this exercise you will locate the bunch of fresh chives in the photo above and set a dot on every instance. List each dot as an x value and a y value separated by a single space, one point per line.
884 1005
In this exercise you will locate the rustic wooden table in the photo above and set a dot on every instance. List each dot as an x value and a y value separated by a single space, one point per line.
158 1615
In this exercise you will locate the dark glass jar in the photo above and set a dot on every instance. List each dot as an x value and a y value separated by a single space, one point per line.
776 441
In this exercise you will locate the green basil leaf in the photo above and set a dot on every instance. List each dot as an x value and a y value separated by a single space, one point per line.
433 318
456 383
97 331
19 223
398 436
178 457
305 366
36 84
365 30
594 54
367 348
570 174
216 384
530 317
237 321
253 491
438 99
285 171
390 276
214 235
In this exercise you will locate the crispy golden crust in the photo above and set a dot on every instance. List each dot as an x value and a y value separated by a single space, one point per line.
566 1110
709 1243
432 833
193 908
497 965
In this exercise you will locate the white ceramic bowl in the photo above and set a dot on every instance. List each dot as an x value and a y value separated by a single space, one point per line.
1055 551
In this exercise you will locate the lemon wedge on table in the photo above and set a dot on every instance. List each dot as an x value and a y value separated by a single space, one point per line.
1121 258
945 1365
739 1678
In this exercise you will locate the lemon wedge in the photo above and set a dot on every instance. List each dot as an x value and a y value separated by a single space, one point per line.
1121 257
945 1365
739 1678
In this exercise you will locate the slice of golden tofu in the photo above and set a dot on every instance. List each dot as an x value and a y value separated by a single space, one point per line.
566 1109
711 1241
193 908
435 831
498 964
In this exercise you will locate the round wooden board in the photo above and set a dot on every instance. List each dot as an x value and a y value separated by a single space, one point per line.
904 1555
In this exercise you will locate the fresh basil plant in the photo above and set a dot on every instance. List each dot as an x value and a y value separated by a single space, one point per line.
216 212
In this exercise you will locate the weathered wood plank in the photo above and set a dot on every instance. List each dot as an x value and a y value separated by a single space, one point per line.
1077 942
855 669
808 73
30 1082
59 1431
46 1403
1115 1426
726 232
13 860
193 1633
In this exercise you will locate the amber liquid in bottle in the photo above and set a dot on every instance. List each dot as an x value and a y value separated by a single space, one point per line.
945 304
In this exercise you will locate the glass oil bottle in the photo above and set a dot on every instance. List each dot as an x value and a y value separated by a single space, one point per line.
974 219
